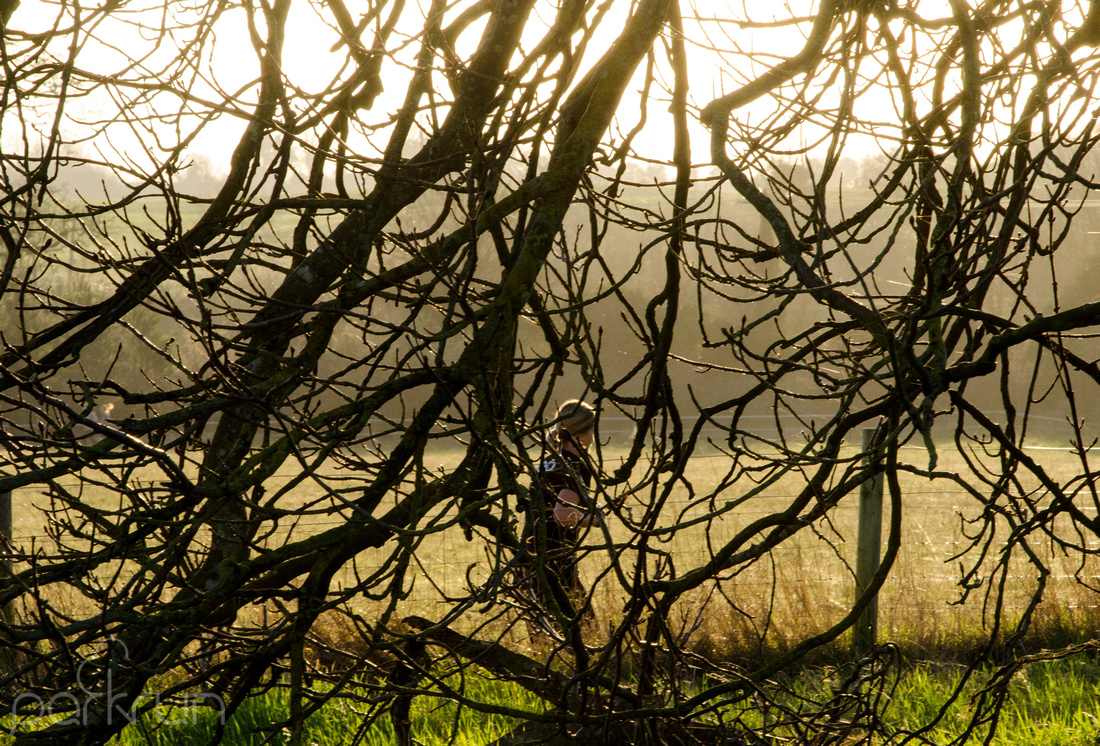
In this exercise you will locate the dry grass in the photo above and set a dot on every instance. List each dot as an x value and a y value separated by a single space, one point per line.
799 589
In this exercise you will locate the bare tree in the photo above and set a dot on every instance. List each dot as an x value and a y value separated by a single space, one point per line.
472 219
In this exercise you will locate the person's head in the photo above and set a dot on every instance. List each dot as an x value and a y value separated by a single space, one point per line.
575 423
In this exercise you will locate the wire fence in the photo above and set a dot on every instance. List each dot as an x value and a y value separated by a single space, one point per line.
810 574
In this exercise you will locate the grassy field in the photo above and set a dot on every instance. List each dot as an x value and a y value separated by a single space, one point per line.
1051 704
800 588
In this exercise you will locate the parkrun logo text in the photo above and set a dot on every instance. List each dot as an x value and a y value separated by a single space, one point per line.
82 706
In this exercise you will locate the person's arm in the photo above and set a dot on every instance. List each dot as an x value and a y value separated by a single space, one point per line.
568 510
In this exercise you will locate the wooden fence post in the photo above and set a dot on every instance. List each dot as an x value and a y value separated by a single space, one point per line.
7 611
9 657
5 530
868 553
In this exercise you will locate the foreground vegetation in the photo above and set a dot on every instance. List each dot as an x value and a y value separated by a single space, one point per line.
1050 703
1054 704
807 584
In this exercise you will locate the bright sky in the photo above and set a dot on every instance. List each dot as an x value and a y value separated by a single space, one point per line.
310 64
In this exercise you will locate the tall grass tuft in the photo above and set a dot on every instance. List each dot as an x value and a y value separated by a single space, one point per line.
1054 703
341 721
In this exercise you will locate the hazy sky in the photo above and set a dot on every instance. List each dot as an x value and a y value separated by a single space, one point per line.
311 64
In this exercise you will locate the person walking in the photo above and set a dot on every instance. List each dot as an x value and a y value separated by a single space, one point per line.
562 508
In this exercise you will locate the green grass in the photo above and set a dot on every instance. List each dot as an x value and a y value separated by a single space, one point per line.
1050 704
256 720
339 721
